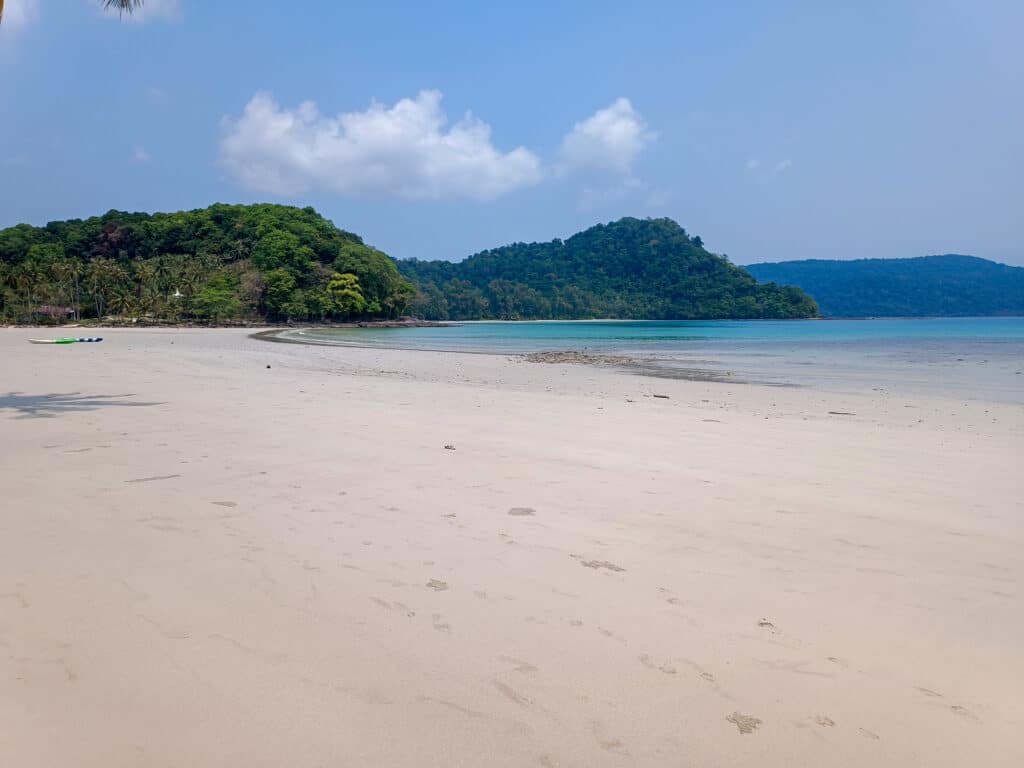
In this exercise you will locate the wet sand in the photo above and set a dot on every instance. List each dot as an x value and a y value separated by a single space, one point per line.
383 558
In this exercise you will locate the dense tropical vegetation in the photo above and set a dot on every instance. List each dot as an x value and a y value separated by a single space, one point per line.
950 285
631 268
217 264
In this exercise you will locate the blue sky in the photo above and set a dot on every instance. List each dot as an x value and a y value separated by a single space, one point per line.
774 130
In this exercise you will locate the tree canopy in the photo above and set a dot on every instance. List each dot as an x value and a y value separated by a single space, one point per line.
632 268
222 263
933 286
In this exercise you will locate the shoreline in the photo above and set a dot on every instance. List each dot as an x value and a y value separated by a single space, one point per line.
633 365
240 325
419 323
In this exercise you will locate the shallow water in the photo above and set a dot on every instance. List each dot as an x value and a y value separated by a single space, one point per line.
976 358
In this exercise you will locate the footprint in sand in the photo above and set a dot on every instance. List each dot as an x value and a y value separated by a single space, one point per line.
437 585
511 694
667 668
612 635
671 599
441 626
963 712
519 665
17 596
824 721
405 609
706 676
522 511
598 564
744 723
616 746
451 705
224 503
394 606
166 528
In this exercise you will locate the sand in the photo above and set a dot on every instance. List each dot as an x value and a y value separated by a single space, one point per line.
206 561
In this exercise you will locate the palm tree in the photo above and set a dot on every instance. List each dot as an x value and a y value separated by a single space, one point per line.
122 6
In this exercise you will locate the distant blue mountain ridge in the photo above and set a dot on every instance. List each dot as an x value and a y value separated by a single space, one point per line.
928 286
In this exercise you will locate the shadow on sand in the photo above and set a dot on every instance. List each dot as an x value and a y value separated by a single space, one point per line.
54 404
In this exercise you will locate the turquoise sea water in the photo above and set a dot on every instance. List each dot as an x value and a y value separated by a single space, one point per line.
969 357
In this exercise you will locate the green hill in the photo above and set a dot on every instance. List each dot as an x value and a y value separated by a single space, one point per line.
926 286
631 268
222 263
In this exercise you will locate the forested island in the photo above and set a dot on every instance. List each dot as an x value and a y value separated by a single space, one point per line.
928 286
642 269
219 264
275 263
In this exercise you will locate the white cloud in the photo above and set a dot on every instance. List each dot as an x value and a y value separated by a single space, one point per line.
406 150
151 10
140 154
753 164
610 139
782 165
19 13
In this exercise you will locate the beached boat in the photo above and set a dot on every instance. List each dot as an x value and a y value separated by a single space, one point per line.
64 341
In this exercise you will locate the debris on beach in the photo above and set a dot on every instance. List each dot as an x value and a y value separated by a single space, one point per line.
577 358
449 447
521 511
744 723
661 397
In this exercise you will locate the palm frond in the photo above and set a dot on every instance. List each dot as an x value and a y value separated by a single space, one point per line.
123 6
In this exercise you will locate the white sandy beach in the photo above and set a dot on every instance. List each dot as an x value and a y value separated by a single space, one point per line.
208 562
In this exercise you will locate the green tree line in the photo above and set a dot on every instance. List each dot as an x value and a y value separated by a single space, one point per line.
218 264
644 269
